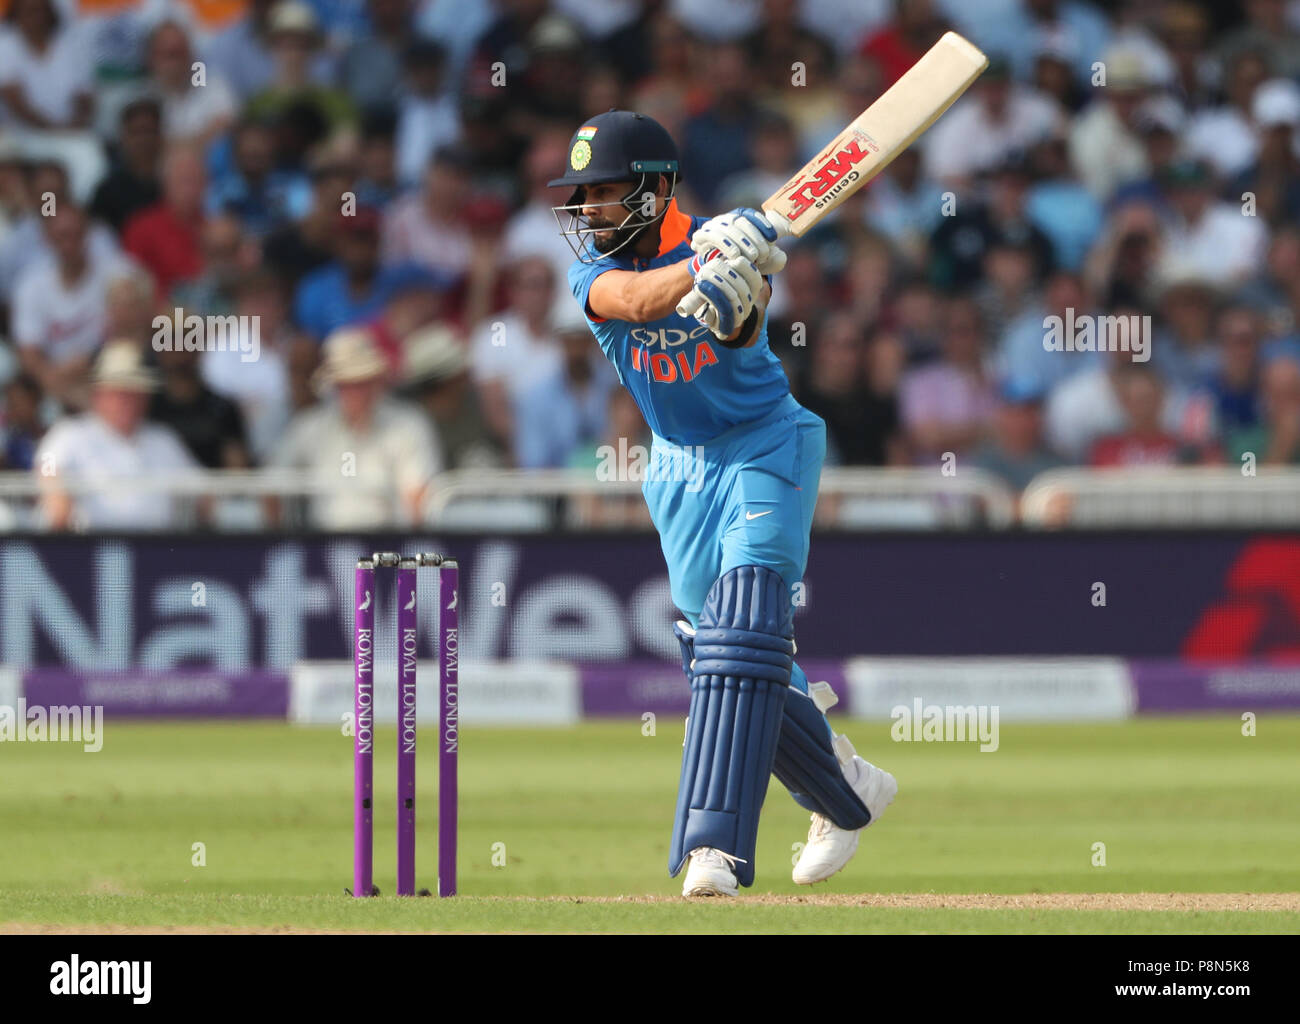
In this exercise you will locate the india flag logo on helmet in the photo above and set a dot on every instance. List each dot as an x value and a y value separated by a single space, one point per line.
580 155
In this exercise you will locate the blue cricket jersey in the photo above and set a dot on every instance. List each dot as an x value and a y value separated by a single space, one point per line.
689 387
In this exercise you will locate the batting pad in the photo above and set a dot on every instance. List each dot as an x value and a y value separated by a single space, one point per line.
807 766
744 649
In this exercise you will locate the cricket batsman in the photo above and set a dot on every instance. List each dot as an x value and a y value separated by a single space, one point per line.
735 514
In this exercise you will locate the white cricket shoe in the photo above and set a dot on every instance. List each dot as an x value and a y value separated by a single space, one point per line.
830 847
709 872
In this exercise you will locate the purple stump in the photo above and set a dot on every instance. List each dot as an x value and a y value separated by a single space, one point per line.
407 631
448 721
363 724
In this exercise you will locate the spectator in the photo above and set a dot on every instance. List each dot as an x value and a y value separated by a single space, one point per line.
261 195
375 457
26 243
86 464
294 37
1184 351
625 438
260 387
1105 147
133 181
164 238
947 405
915 319
371 70
900 43
1275 441
961 240
1269 31
1273 178
1144 440
558 416
1159 124
378 184
1224 137
510 353
718 141
905 206
45 69
1274 293
1210 237
1000 118
355 286
227 255
437 378
1021 354
1060 207
1087 407
1014 449
241 54
1234 386
210 426
531 228
428 227
197 104
859 406
775 159
60 309
22 427
300 246
130 304
428 116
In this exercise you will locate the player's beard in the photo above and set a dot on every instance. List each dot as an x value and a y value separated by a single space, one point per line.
617 238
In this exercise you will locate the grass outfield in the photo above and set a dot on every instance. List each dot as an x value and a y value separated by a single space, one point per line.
577 821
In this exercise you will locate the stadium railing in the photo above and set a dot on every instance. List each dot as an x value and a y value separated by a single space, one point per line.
520 500
1176 496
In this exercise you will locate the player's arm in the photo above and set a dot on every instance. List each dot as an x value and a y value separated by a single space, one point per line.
639 298
653 294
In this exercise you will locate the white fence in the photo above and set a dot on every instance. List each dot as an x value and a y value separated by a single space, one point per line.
532 501
516 500
1184 497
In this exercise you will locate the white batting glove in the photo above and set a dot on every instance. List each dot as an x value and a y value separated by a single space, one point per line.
725 292
744 233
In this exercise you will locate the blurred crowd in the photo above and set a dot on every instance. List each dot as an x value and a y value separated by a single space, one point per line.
365 181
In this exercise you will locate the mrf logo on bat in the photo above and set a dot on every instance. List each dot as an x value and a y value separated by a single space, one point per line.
835 174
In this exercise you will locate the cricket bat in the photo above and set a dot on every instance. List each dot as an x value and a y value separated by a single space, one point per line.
866 147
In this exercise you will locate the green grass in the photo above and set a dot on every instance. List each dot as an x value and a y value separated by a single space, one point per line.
1182 805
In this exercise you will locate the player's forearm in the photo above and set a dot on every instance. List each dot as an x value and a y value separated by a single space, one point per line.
640 298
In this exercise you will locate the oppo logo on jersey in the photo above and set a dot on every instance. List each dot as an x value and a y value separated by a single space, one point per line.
665 337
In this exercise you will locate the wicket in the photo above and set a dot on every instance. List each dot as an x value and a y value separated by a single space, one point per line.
448 651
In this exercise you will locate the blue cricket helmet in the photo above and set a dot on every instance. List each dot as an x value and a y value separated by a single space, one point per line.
618 145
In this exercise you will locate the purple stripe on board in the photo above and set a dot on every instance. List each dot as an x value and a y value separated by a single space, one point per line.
1241 686
163 693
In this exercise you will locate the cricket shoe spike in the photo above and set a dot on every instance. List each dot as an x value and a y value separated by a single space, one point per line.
710 872
830 847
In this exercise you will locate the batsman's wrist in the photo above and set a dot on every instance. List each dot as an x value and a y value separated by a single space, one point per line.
747 330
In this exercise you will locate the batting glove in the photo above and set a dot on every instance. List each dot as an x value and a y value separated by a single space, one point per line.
743 233
725 292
